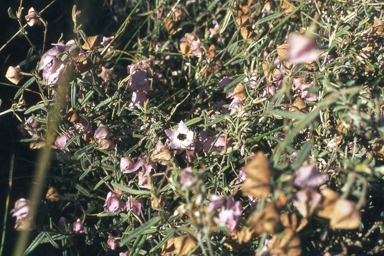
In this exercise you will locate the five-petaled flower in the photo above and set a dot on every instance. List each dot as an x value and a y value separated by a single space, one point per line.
182 138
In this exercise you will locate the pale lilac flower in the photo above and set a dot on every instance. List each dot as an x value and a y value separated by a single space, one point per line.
301 49
214 30
61 141
126 165
182 138
308 176
230 215
113 203
308 199
137 98
141 162
185 175
216 203
21 209
106 74
33 17
252 81
218 146
112 242
269 90
77 227
299 85
106 40
235 105
143 180
135 205
139 81
102 132
224 82
194 42
53 73
33 124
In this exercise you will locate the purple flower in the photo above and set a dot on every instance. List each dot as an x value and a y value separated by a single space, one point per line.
214 30
182 138
77 227
102 132
21 209
299 85
185 175
63 224
126 165
235 105
135 205
223 83
137 98
106 74
216 202
113 203
241 177
53 73
219 144
83 125
139 81
230 215
308 177
112 242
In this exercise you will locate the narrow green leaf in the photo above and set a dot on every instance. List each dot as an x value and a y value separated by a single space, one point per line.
73 95
25 86
268 18
102 182
69 142
82 190
35 243
159 245
140 230
107 101
28 58
212 4
131 190
285 114
50 239
85 173
87 97
137 245
193 121
302 155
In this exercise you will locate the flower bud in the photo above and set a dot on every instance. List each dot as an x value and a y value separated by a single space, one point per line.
77 227
13 74
33 17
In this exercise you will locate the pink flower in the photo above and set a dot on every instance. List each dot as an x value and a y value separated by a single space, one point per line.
182 138
143 180
241 177
126 165
77 227
299 85
235 105
230 215
136 205
301 49
218 146
185 175
102 132
216 202
308 177
33 124
252 81
141 162
113 203
194 42
139 81
214 30
308 199
112 243
61 141
137 98
21 209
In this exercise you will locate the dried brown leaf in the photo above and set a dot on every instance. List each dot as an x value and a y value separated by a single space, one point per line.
91 43
286 243
240 92
181 246
267 220
293 221
161 154
51 194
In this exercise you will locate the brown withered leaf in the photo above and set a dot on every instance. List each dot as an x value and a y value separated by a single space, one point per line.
282 51
243 235
345 215
171 26
258 177
267 220
212 51
327 204
378 26
72 116
181 246
51 194
287 243
378 150
246 10
289 8
158 202
91 43
247 32
293 221
240 92
83 64
233 246
89 138
106 144
184 48
242 21
299 105
37 144
161 154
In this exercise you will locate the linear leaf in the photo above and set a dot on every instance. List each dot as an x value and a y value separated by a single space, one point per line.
131 190
25 86
268 18
159 245
285 114
36 107
140 230
86 98
82 190
35 243
69 142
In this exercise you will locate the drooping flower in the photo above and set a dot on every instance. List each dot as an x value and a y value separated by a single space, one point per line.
308 176
102 132
230 215
112 242
216 203
126 165
61 141
135 204
235 106
301 49
182 138
77 227
218 146
53 73
139 80
21 209
33 17
14 74
113 203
